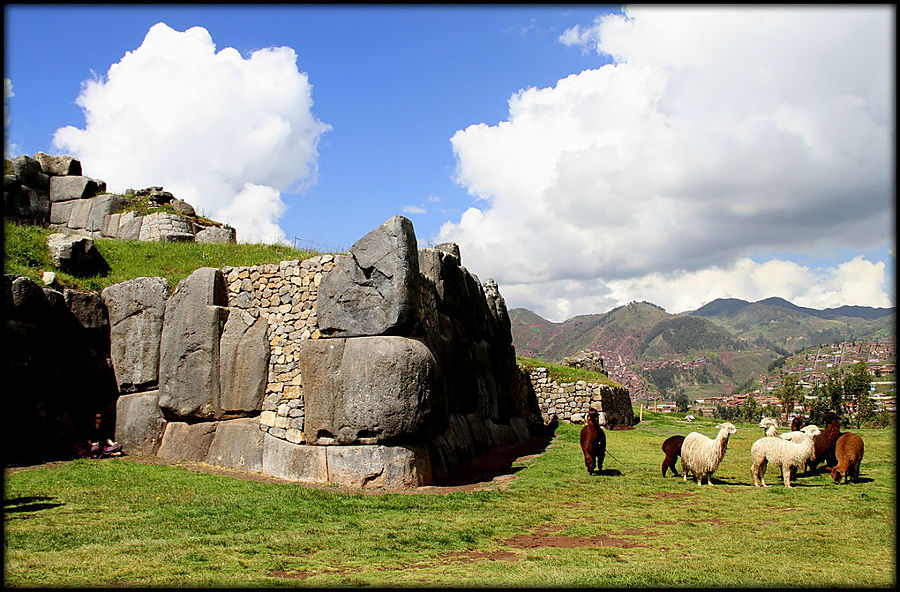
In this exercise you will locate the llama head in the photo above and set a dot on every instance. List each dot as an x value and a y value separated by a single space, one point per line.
727 427
836 475
812 430
767 422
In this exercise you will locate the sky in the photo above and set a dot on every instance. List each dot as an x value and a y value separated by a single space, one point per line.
582 156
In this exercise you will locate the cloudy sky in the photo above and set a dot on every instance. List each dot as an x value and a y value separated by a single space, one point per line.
583 157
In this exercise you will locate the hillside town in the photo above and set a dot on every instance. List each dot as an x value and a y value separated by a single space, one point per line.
813 366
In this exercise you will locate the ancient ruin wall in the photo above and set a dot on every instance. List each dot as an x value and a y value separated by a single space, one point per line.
569 401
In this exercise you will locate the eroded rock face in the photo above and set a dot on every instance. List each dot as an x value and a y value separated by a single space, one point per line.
217 235
195 316
58 165
366 389
74 187
374 291
75 254
136 309
243 368
139 423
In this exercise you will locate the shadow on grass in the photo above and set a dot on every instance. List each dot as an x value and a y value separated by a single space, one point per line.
608 473
28 504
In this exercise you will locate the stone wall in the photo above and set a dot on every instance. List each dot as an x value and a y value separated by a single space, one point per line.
569 401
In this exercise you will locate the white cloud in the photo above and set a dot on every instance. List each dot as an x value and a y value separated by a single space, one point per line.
223 132
414 210
9 148
716 133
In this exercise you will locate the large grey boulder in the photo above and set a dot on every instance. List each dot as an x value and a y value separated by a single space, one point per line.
139 423
217 235
81 213
189 347
28 171
74 187
88 309
183 208
58 165
136 308
75 254
366 389
387 467
25 203
243 366
61 211
294 462
238 444
101 207
184 441
374 290
129 226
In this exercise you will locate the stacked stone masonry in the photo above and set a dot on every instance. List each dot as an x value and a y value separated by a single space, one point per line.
569 401
284 294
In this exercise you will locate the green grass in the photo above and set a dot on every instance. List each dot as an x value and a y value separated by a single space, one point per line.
118 522
26 253
561 373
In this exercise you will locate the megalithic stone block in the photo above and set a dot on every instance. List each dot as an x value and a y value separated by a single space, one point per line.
366 389
374 290
189 347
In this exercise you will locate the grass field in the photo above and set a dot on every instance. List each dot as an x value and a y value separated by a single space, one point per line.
119 522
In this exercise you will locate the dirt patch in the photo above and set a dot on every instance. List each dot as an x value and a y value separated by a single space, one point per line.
544 537
294 575
665 495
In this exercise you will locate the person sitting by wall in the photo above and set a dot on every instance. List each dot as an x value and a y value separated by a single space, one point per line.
101 445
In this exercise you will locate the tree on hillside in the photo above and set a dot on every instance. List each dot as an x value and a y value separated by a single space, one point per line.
856 390
789 393
682 403
750 408
816 410
833 391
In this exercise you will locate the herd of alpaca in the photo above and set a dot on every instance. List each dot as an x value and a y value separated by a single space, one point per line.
799 450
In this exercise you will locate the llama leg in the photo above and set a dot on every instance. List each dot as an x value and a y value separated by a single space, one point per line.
600 458
786 474
665 465
589 463
762 472
672 466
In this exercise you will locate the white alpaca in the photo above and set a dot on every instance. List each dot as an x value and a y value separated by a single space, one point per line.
701 455
770 426
797 437
780 452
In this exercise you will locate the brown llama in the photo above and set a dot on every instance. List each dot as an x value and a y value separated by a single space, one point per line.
672 448
796 424
593 442
823 447
848 451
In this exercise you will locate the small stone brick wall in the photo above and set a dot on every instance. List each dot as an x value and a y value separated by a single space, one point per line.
284 294
570 401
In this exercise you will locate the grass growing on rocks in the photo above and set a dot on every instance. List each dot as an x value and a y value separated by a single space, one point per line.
561 373
26 253
119 522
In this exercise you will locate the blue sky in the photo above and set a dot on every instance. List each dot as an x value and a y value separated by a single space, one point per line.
635 167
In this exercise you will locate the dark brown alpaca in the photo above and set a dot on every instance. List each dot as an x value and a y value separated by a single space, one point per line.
593 442
796 424
672 448
823 446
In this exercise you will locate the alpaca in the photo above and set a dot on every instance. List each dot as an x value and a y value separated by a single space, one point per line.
780 452
593 442
769 425
848 451
823 448
796 424
701 455
797 437
672 448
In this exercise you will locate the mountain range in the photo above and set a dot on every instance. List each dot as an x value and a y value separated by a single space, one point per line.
736 339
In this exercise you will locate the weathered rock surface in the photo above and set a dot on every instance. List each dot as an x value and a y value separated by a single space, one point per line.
374 290
183 441
58 165
244 365
189 347
74 187
101 207
28 171
373 388
136 308
25 203
139 423
75 254
388 467
217 235
183 208
238 444
305 464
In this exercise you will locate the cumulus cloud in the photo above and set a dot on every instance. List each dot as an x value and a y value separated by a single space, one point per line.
414 209
226 133
716 132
